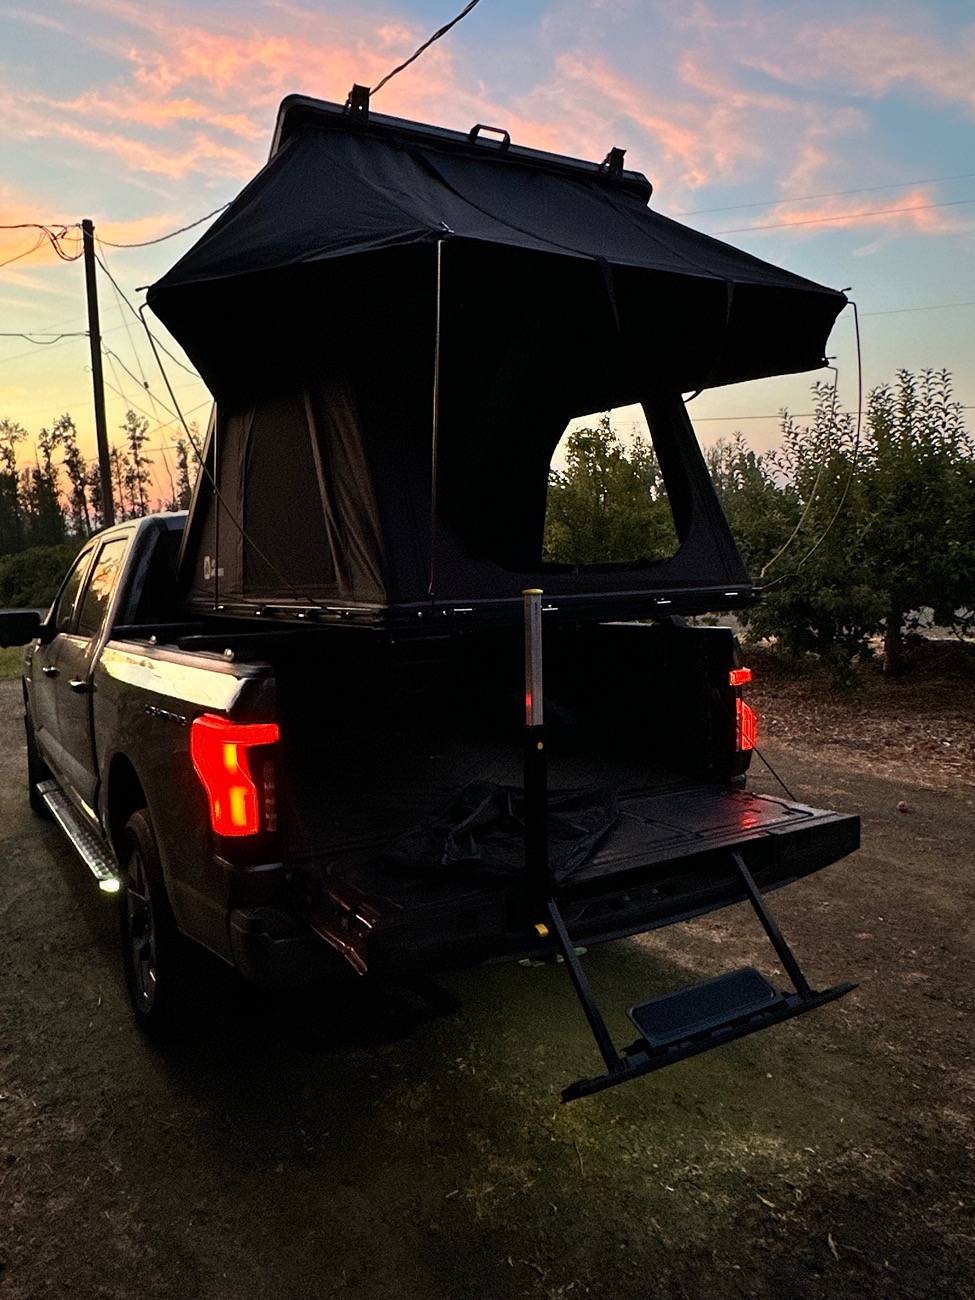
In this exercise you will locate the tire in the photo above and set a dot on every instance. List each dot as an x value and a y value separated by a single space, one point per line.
37 770
154 953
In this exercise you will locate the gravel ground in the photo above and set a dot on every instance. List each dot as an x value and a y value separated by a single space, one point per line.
408 1142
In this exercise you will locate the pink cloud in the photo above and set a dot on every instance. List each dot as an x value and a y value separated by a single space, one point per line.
866 55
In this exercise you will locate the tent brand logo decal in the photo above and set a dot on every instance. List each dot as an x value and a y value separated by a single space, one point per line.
210 570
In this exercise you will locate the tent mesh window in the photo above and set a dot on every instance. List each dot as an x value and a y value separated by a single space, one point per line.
607 502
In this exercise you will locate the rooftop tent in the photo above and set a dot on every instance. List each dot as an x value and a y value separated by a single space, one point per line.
397 322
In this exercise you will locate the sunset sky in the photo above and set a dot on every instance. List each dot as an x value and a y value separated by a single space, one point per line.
746 116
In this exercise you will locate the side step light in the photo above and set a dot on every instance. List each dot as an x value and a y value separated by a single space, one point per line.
221 754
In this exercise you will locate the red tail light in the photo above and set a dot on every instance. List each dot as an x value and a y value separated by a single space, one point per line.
220 751
745 725
744 716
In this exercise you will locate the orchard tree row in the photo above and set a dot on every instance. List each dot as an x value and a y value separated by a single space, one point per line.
850 534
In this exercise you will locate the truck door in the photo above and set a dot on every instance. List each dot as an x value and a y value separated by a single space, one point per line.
75 665
44 673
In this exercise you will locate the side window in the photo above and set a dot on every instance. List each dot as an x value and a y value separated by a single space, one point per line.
64 605
101 585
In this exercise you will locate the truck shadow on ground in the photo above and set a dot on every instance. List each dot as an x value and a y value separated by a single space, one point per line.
418 1124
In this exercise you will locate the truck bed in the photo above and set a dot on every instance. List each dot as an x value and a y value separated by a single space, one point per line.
666 858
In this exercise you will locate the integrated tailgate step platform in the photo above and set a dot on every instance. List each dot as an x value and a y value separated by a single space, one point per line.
704 1008
697 1018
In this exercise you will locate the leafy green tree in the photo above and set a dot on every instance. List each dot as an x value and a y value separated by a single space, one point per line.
608 504
186 458
40 494
94 490
918 475
31 578
65 435
118 469
11 514
136 473
884 525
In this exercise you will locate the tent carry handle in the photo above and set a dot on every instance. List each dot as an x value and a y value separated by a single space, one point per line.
475 131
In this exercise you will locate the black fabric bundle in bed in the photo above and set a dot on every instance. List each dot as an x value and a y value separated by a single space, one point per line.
483 828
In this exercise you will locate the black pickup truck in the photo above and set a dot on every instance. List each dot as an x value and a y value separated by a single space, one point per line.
311 725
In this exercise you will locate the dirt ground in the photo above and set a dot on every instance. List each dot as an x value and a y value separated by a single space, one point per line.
409 1142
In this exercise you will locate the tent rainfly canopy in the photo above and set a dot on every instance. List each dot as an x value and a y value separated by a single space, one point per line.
397 322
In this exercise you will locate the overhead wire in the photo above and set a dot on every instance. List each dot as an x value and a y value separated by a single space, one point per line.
26 252
145 243
125 321
845 216
137 314
854 460
40 340
827 194
831 428
441 31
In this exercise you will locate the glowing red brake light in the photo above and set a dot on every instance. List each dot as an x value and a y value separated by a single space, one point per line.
745 725
220 753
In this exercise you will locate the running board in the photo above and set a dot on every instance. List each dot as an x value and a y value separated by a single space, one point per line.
92 850
694 1019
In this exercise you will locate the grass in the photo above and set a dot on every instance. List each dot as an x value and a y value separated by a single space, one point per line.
11 662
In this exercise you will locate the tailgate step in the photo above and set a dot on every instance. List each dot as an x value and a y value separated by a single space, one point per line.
703 1008
697 1018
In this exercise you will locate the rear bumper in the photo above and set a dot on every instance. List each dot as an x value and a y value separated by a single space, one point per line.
274 949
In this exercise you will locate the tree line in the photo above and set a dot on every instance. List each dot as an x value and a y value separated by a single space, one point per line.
850 533
58 499
47 509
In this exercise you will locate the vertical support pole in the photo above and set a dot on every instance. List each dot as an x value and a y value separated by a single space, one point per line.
97 381
536 758
435 418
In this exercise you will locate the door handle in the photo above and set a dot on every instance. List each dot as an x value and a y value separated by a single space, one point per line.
49 671
79 686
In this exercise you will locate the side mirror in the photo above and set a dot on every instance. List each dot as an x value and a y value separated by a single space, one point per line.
19 627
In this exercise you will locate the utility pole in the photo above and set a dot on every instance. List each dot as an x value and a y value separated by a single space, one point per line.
98 383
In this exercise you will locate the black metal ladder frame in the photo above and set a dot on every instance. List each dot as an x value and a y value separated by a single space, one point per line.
640 1057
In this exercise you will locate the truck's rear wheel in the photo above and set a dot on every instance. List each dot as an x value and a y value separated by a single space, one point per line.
153 951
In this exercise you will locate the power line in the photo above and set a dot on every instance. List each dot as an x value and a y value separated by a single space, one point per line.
26 253
442 31
125 321
135 313
145 243
68 338
931 306
42 339
827 194
845 216
143 384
